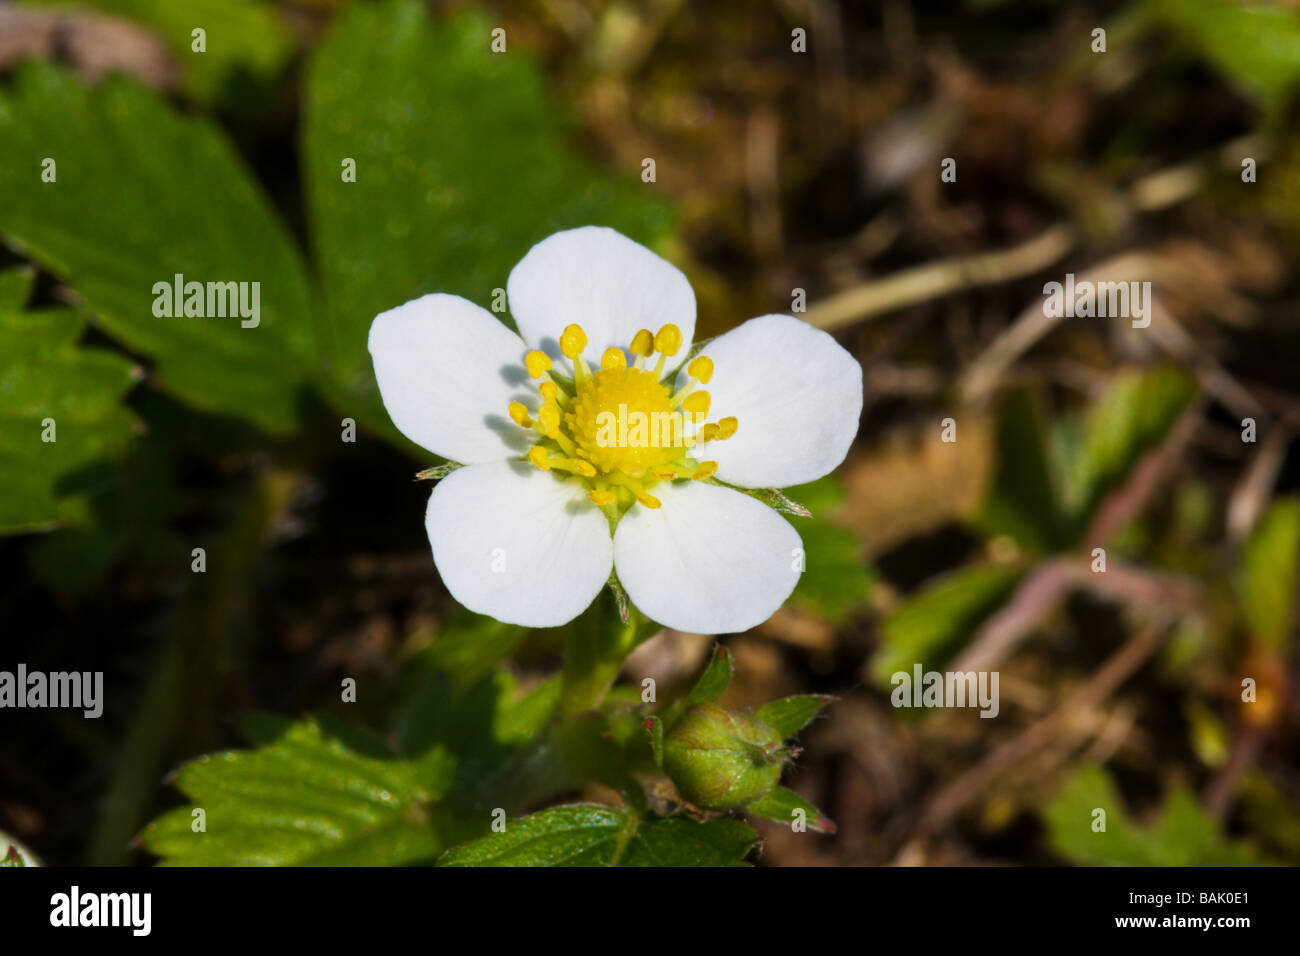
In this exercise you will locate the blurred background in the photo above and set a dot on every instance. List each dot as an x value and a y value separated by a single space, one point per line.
797 149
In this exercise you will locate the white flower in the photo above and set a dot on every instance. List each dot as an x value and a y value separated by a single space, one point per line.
554 497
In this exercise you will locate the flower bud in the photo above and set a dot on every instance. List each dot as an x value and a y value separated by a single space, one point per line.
722 759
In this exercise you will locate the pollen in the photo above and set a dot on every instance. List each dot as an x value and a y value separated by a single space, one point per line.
619 430
573 341
668 340
520 414
701 369
537 363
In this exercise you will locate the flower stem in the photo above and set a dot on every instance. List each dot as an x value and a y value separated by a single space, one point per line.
598 644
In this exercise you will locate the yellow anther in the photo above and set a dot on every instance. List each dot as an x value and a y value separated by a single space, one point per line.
601 497
664 474
643 344
707 469
520 414
572 341
584 468
668 340
710 432
647 501
697 403
549 416
550 391
537 455
701 369
727 427
613 359
537 363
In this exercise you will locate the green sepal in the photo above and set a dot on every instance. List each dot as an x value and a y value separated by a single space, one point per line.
789 715
780 805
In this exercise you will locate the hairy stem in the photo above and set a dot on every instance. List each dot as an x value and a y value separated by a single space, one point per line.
598 644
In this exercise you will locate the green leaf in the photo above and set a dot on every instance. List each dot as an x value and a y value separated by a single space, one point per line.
836 580
1133 417
714 680
469 646
462 163
246 44
1255 45
133 206
45 375
789 715
311 794
655 727
1269 580
1182 836
1022 501
589 835
494 732
781 805
932 624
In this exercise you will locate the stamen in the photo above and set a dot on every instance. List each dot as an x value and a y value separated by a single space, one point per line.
600 497
707 469
710 432
697 403
613 359
537 455
643 344
549 418
701 369
538 363
519 413
668 340
727 427
551 393
572 341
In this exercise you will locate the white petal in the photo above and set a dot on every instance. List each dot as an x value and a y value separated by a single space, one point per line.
796 394
606 283
710 560
447 371
518 544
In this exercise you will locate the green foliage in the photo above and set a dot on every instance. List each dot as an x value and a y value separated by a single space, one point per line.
462 164
45 374
1023 500
438 203
1133 417
837 580
469 646
789 715
1255 45
1269 582
246 45
781 805
1182 836
588 835
131 207
311 794
715 679
495 734
931 624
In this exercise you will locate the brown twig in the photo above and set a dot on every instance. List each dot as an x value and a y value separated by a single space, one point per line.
1117 668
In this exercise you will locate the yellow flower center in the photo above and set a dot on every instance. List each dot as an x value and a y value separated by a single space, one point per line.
621 430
